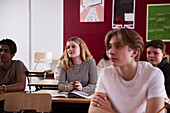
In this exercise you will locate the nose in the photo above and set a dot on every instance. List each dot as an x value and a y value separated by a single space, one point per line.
112 51
151 54
2 52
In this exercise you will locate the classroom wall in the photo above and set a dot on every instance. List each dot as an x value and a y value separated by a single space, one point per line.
94 33
38 29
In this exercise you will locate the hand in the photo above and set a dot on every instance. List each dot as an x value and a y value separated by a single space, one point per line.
78 86
70 86
101 100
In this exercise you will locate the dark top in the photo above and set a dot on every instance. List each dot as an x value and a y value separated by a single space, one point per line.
10 77
165 67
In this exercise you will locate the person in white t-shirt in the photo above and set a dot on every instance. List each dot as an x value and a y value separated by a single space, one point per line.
130 85
104 62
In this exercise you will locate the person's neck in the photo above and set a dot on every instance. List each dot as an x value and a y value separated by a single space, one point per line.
6 65
76 60
129 71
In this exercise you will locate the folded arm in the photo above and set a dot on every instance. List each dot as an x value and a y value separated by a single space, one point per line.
100 104
154 104
20 86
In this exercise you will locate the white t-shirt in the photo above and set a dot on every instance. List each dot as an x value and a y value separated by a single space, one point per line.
131 96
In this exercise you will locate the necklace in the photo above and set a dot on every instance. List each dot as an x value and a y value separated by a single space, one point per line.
76 66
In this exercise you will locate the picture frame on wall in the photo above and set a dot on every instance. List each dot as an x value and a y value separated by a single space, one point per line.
158 22
123 14
92 10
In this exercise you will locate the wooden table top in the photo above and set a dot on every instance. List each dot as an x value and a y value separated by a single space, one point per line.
45 82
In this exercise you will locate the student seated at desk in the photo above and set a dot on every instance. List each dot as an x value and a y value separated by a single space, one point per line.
12 72
156 52
156 56
77 64
104 62
130 85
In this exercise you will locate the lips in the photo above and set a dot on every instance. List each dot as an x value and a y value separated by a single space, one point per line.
70 53
113 59
151 59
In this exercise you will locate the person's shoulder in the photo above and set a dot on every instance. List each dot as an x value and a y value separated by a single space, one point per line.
146 66
90 61
109 69
102 60
18 62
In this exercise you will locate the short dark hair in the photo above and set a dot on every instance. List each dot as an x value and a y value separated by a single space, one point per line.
157 44
11 44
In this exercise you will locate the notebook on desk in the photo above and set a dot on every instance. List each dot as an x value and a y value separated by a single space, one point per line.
73 94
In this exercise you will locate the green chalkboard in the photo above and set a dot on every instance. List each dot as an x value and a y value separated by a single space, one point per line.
158 22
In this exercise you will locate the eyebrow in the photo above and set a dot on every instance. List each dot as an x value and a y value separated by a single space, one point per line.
115 43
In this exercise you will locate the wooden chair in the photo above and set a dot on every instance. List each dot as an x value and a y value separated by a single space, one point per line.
43 57
15 102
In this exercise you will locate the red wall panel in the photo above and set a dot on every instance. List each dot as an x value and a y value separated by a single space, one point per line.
94 33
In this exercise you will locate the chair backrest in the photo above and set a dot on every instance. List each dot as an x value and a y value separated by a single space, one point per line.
41 57
14 102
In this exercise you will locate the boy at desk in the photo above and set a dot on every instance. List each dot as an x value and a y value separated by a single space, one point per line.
156 56
156 51
130 85
12 72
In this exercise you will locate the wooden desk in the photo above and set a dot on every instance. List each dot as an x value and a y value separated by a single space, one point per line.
67 105
44 83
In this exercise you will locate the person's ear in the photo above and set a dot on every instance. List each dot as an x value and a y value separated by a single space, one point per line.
13 55
164 54
135 53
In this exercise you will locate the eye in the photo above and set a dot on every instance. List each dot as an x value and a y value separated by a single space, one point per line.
110 46
149 52
155 53
6 51
118 46
73 46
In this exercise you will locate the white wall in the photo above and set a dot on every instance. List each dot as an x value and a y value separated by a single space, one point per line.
46 27
14 25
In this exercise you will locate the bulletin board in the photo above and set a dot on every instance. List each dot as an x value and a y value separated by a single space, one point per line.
158 22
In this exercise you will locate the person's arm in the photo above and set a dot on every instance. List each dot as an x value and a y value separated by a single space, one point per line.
100 104
20 86
92 78
154 104
62 85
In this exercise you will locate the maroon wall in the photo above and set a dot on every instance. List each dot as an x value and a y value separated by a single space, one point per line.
94 33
